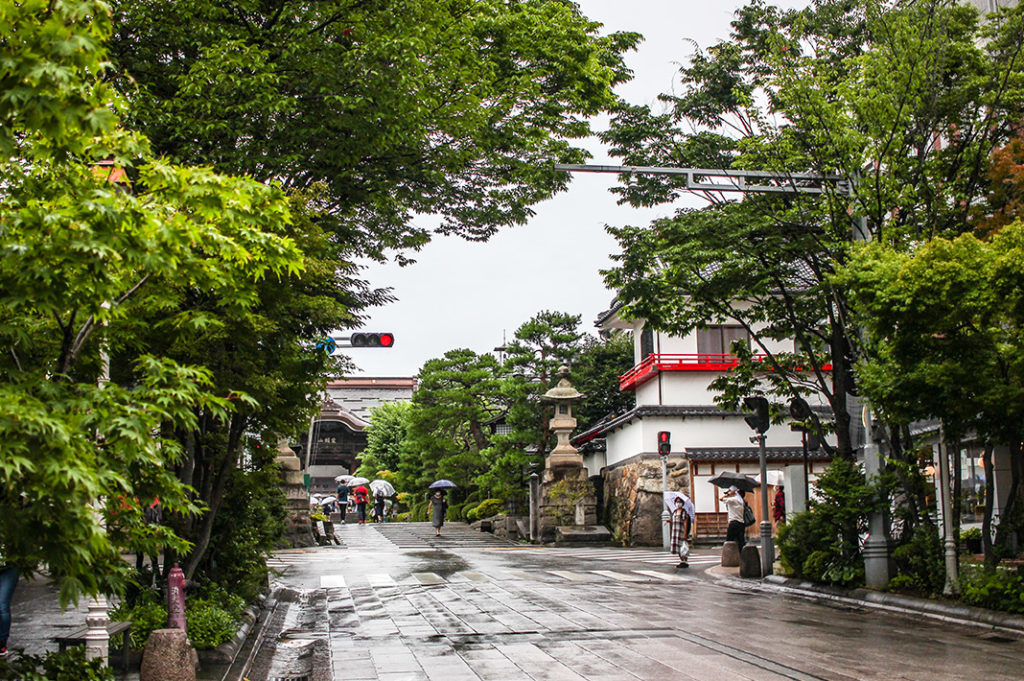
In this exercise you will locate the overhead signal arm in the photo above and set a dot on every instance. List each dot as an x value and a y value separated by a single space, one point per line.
728 180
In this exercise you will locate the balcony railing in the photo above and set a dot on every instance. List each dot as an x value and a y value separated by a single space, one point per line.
652 365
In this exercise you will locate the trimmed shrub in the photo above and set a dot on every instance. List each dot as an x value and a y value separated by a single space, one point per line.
919 562
69 665
147 615
489 507
996 589
208 624
823 544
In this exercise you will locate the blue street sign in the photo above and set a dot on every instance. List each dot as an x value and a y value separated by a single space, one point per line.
328 345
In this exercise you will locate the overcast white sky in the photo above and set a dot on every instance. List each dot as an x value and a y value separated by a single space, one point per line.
464 295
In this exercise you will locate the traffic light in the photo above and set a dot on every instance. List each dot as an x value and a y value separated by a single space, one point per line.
372 340
799 409
664 443
760 419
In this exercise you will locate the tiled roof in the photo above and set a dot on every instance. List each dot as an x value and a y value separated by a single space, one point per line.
666 410
774 454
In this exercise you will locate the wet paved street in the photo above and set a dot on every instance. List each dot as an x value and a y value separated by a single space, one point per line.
395 603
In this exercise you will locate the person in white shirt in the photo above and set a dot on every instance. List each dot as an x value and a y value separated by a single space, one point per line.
737 531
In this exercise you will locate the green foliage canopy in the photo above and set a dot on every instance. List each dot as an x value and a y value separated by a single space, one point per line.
82 256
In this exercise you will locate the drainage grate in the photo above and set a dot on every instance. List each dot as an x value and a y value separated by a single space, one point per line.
304 677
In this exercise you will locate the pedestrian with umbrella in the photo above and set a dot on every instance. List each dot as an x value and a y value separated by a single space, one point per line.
342 492
680 521
438 504
362 497
381 490
736 485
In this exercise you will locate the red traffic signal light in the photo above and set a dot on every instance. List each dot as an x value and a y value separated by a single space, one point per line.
664 443
372 340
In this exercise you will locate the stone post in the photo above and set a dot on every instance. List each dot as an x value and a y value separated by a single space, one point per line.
97 640
534 507
298 531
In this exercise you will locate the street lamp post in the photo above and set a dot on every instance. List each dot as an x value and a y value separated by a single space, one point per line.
952 585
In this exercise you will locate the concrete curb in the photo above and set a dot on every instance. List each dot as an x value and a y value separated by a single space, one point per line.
907 605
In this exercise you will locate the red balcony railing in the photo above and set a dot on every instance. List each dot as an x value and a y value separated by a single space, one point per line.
652 365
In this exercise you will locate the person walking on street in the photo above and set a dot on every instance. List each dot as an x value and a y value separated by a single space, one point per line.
8 581
438 505
680 522
362 497
779 507
378 507
737 530
342 494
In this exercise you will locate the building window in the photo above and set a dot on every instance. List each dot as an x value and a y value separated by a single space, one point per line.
718 339
646 344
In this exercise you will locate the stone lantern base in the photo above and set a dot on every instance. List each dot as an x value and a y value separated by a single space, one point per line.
297 530
568 507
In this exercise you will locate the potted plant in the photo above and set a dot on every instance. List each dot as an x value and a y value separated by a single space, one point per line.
972 537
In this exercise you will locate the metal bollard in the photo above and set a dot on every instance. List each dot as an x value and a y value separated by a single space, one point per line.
176 599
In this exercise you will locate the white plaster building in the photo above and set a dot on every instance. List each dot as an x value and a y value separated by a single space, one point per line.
670 378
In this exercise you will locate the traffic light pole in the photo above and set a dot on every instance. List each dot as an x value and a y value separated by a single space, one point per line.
767 548
666 527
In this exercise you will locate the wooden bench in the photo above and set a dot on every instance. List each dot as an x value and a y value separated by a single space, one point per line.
77 638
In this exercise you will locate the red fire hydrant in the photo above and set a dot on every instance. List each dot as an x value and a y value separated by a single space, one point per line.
176 599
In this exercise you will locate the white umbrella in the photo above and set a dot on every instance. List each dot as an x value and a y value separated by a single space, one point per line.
356 481
775 478
382 488
328 500
670 503
343 478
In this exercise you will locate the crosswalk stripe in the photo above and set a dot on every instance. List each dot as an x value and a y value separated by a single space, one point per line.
665 576
380 580
428 578
332 581
473 576
620 576
575 576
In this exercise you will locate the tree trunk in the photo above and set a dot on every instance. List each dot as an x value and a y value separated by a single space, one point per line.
215 485
986 522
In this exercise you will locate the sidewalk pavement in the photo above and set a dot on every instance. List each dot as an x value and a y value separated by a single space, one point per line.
938 609
36 616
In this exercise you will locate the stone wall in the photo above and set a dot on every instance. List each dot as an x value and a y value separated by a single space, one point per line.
633 498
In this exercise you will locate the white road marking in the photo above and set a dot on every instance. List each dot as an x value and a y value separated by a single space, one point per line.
621 576
380 580
329 581
665 576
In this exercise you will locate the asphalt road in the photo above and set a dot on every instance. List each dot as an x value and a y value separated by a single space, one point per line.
395 603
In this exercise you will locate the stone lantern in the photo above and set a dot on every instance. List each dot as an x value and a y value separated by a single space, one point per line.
563 396
567 505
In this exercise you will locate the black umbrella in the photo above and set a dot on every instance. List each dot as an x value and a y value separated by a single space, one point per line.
737 480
